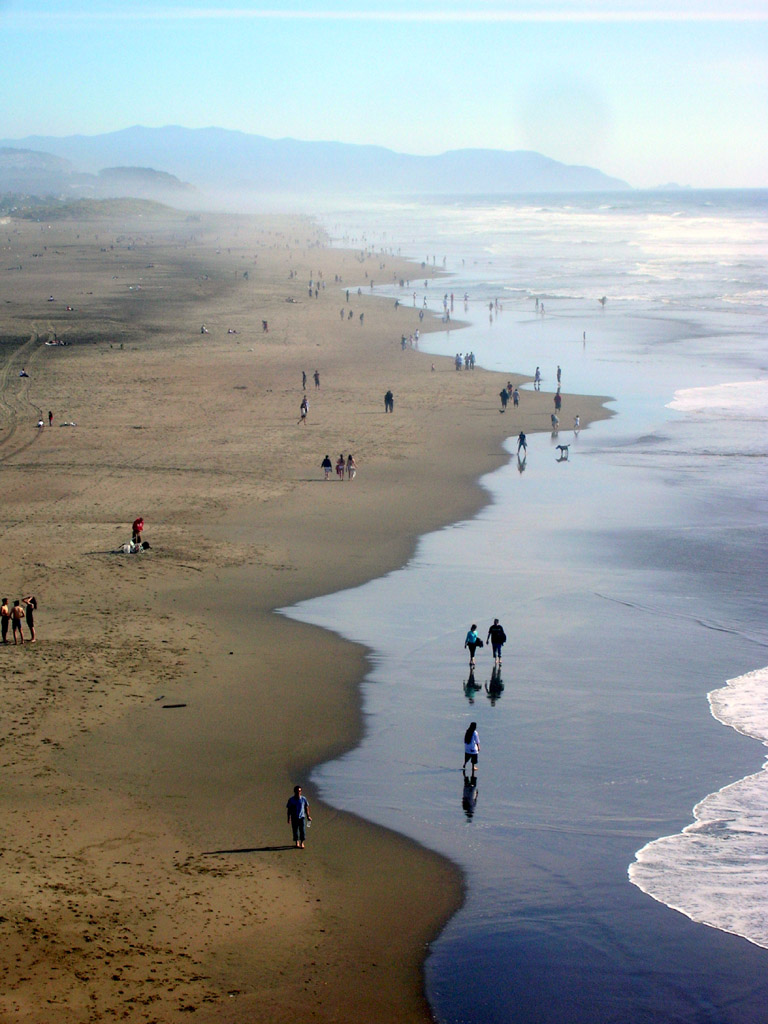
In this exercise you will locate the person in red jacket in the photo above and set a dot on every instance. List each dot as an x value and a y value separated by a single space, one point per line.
138 526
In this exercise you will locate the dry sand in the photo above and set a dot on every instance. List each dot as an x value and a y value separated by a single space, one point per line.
146 867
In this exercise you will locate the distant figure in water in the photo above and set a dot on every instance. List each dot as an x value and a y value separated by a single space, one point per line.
522 443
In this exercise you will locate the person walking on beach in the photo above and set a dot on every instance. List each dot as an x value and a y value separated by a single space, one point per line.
351 467
31 608
303 410
558 400
136 527
298 816
17 615
537 380
516 398
341 465
303 380
327 466
316 376
522 443
5 619
471 747
389 402
497 638
472 641
50 418
504 396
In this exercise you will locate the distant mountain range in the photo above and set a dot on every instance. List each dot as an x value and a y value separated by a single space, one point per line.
218 162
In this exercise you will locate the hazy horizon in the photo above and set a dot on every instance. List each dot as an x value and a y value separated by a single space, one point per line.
644 93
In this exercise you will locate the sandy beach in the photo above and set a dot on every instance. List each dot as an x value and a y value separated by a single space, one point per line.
153 733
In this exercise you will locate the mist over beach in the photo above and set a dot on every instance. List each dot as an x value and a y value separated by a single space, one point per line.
326 334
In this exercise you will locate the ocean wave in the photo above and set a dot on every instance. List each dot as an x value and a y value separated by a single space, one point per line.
736 400
714 870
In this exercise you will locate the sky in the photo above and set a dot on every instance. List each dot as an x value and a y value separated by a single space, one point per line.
651 91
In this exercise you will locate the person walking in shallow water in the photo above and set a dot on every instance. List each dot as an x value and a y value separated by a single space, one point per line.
471 747
298 817
497 638
472 642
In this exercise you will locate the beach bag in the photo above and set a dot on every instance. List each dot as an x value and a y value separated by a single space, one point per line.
480 642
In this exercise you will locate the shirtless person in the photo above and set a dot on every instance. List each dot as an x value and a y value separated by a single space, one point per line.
5 619
17 617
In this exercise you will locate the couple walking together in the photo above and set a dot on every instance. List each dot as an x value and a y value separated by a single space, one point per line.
496 637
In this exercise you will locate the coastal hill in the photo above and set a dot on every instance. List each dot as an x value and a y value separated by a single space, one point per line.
27 172
220 161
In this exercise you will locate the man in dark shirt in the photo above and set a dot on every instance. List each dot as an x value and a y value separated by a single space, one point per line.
497 638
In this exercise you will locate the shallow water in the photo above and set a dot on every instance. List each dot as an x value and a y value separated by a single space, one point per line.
629 579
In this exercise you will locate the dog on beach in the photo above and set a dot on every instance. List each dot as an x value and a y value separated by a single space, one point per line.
563 449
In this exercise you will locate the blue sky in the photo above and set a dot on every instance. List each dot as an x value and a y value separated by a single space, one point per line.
649 91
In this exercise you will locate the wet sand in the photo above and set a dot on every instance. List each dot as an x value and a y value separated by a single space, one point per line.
147 869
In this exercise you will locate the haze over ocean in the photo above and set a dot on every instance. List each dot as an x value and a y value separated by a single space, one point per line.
630 582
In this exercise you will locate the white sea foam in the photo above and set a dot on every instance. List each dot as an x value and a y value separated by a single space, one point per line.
741 400
714 871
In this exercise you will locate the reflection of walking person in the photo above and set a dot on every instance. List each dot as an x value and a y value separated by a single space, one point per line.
298 816
472 641
471 747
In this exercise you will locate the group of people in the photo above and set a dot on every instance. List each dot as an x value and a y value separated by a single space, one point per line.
467 360
496 637
343 465
13 617
510 391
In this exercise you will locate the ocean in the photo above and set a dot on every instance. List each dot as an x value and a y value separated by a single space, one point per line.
616 842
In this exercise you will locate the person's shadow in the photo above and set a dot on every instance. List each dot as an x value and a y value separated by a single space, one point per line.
249 849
